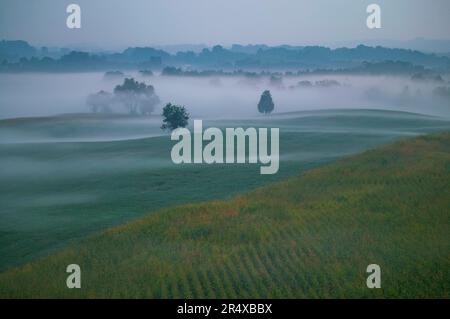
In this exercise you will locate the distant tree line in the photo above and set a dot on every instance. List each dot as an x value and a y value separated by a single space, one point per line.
174 71
365 68
16 56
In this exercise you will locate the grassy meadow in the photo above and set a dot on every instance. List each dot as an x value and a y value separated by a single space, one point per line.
63 178
311 235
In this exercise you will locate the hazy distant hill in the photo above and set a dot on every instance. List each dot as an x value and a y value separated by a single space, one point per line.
19 56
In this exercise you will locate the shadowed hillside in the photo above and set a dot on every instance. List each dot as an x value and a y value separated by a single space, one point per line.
308 236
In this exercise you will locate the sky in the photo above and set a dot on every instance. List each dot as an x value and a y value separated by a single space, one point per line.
111 24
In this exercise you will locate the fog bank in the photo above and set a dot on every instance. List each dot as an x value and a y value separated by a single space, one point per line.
42 94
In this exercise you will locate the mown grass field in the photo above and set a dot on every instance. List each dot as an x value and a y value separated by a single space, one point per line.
310 236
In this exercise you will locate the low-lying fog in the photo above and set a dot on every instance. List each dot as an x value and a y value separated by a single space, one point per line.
37 94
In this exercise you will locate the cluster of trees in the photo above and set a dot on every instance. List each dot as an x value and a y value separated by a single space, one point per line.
140 98
136 97
174 71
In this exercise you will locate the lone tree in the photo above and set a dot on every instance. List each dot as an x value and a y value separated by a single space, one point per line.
265 104
137 96
175 116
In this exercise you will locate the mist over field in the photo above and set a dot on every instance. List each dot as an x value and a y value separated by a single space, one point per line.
352 175
68 172
44 94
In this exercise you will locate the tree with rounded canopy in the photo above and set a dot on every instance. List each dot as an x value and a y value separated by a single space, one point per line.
266 104
137 96
175 116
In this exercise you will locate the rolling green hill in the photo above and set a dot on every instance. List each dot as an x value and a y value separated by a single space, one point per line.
308 236
63 178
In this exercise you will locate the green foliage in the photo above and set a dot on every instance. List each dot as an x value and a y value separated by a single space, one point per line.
175 116
311 237
266 104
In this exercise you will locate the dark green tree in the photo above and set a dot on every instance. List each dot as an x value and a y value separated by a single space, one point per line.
175 116
265 104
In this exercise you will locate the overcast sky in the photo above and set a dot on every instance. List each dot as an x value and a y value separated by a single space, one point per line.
120 23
